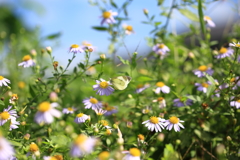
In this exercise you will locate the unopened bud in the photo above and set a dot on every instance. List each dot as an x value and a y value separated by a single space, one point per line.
99 62
178 141
8 87
23 123
42 51
129 124
27 136
49 50
204 105
229 138
130 96
90 49
33 52
135 53
234 121
160 137
115 126
145 11
96 130
53 96
103 56
55 64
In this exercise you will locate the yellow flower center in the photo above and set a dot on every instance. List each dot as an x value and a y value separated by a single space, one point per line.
135 152
154 120
20 84
160 99
26 58
160 84
15 96
103 84
33 147
80 115
146 111
58 157
106 14
129 28
70 109
93 100
80 139
104 155
141 137
161 46
207 18
74 46
174 120
238 101
44 106
232 80
1 78
108 108
104 122
223 50
205 85
108 131
140 86
53 158
237 45
5 115
202 68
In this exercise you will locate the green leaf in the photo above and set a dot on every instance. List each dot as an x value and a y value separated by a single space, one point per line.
144 79
190 15
157 23
14 143
200 14
123 61
60 140
99 28
195 98
134 61
81 65
113 4
2 103
54 36
169 153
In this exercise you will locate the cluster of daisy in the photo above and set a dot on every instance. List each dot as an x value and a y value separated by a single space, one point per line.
75 48
157 124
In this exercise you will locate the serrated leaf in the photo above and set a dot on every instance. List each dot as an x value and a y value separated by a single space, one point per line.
190 15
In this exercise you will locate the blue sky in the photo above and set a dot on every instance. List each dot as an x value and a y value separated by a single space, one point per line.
74 19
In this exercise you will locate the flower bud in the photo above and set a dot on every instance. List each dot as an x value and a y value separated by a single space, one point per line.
33 52
145 11
178 141
27 136
49 50
55 64
103 56
96 130
53 96
160 137
229 138
115 126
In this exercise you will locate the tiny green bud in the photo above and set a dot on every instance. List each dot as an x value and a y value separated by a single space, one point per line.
135 53
115 126
178 141
8 87
96 130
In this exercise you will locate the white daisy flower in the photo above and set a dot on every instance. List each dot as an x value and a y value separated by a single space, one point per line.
161 101
108 17
6 151
105 124
202 86
92 103
100 111
33 150
81 118
132 154
13 99
88 46
55 157
235 103
110 109
7 114
27 62
161 49
209 21
141 87
14 124
146 110
128 29
154 123
82 145
224 52
69 110
173 122
46 113
91 70
4 81
103 87
182 102
235 82
202 70
162 87
233 44
75 49
105 155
